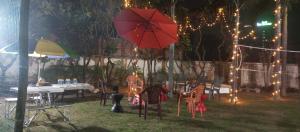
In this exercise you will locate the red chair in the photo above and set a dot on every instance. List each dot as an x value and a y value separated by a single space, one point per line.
195 101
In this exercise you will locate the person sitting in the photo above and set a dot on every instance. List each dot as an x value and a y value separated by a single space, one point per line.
135 85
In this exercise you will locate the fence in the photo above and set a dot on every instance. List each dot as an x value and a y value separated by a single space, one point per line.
253 75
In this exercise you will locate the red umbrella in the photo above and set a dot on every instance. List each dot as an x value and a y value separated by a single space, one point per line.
147 28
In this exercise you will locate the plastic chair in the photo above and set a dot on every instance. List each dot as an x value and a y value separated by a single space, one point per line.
194 100
150 96
215 87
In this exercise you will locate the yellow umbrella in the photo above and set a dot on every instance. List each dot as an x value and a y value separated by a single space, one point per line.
47 47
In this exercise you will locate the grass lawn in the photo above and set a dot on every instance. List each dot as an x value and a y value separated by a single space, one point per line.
256 112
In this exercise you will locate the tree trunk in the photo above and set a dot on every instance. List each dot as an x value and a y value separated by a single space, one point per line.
277 82
235 57
284 54
83 69
86 62
109 71
298 66
23 66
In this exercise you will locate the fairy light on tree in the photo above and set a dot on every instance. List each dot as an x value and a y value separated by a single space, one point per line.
251 34
127 3
234 68
204 22
276 77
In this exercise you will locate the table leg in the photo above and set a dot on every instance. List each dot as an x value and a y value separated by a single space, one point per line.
105 98
82 93
64 115
77 93
6 108
31 118
62 96
49 98
40 99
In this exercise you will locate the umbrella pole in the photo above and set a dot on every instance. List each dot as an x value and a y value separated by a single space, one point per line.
171 57
39 68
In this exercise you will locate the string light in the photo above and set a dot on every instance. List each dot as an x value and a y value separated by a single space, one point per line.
127 3
135 69
276 77
227 25
204 23
234 67
250 34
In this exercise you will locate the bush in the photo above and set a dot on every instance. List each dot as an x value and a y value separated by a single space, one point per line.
120 73
160 76
52 73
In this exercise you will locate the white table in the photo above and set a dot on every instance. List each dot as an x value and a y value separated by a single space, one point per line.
77 86
224 89
41 105
55 88
40 89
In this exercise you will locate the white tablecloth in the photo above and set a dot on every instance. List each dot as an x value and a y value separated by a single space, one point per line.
77 86
55 88
40 89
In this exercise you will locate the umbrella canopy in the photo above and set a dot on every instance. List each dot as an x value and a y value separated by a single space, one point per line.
47 47
147 28
41 48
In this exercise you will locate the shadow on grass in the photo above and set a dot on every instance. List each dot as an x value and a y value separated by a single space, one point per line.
285 123
93 129
199 124
46 126
57 124
73 100
61 128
